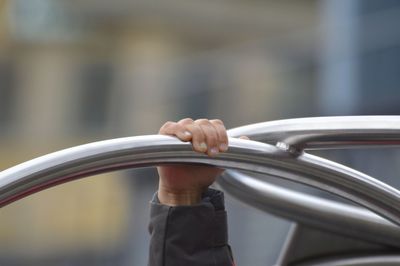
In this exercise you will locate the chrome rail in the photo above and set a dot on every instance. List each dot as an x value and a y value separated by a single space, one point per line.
361 260
310 210
89 159
326 132
295 135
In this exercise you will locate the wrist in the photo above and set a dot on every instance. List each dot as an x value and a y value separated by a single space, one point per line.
175 198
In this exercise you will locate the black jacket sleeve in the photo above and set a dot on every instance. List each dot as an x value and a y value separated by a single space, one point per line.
190 235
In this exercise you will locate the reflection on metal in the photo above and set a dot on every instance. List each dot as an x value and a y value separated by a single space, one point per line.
371 260
311 210
279 161
93 158
309 244
326 132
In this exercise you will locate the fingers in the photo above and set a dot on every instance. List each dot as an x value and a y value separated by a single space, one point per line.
177 129
207 136
222 135
211 136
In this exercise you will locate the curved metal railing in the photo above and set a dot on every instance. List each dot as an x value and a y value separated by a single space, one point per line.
326 132
311 210
296 135
360 260
280 161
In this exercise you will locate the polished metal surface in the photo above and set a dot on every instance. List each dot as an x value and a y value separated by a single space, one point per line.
370 260
326 132
295 135
279 161
311 210
89 159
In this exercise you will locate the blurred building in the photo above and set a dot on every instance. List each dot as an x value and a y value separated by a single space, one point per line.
74 71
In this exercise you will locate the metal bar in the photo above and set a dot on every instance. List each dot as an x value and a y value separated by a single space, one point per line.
288 245
311 210
366 260
326 132
89 159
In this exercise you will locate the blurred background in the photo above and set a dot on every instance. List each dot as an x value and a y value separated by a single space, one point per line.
78 71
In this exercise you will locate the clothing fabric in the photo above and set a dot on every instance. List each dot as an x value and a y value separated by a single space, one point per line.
193 235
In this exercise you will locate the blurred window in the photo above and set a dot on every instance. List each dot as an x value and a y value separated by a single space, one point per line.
7 95
380 79
373 6
380 60
95 82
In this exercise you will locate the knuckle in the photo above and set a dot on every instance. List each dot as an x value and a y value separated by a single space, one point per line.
202 121
178 127
187 120
165 127
168 124
217 121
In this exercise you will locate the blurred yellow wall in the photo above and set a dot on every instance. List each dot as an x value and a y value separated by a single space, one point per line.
90 70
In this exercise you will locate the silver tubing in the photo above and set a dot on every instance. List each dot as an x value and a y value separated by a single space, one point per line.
311 210
326 132
295 135
367 260
89 159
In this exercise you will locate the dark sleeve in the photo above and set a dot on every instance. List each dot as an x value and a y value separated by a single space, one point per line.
190 235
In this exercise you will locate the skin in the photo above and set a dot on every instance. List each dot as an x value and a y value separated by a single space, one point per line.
184 184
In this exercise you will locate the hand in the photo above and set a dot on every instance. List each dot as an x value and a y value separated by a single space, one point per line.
184 184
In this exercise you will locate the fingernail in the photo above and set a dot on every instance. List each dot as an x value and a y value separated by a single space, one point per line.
223 147
214 151
187 133
203 147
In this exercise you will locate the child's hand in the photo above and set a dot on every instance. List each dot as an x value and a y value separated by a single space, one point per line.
184 184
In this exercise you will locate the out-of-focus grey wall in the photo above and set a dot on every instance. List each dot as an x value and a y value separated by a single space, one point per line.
77 71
